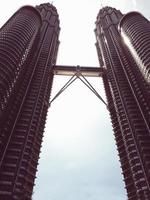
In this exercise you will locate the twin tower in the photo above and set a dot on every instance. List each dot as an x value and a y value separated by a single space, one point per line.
28 51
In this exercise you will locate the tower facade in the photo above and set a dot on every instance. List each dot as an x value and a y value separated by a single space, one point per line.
127 90
28 52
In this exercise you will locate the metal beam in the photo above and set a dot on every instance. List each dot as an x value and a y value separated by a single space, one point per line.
72 70
78 73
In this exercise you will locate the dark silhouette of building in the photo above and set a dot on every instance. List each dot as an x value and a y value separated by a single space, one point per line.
28 51
124 53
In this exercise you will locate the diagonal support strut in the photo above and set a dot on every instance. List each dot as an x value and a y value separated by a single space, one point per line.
78 73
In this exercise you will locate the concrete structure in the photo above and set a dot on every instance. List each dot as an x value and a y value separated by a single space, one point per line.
127 95
28 51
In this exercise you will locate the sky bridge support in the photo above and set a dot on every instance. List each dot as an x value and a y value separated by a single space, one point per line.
67 70
78 73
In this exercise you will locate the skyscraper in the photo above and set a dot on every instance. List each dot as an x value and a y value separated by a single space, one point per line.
28 52
124 52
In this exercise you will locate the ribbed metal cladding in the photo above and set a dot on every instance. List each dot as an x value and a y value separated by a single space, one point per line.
135 31
17 38
22 130
128 102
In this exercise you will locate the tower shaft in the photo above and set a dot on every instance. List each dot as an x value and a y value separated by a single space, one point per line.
23 125
127 100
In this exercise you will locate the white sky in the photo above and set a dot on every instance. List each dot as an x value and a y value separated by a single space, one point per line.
79 159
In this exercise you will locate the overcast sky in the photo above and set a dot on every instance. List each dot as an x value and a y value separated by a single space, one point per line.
79 159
